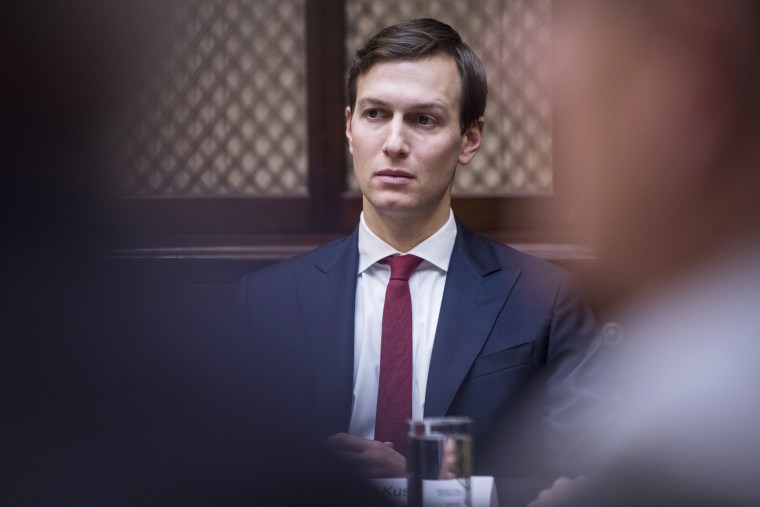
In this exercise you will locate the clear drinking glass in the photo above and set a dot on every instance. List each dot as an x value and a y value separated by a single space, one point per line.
439 462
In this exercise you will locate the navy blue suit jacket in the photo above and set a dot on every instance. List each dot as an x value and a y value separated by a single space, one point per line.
509 325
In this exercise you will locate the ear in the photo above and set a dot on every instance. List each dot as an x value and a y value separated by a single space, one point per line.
471 141
349 135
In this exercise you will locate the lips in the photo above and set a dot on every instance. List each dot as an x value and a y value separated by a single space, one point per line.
394 176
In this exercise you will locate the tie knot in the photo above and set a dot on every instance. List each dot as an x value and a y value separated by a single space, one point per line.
403 265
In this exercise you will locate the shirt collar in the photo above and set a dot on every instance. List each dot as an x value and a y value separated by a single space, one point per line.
436 249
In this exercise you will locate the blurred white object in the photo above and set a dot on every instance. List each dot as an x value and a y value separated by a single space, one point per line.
690 370
483 490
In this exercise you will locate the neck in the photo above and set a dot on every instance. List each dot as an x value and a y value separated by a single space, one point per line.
404 232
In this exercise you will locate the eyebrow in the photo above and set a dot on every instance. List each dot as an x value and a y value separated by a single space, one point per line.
422 106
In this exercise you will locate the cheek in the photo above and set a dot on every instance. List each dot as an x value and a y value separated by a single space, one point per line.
362 149
442 156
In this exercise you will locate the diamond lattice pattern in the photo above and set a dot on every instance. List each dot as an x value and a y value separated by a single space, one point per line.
225 112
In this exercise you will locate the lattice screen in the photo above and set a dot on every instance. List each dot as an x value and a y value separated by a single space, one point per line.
512 38
225 113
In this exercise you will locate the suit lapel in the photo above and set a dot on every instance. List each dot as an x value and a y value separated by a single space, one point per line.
327 296
477 286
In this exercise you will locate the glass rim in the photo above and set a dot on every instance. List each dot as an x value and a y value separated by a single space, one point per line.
442 425
441 419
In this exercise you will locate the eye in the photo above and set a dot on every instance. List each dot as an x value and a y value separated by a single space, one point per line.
372 113
424 119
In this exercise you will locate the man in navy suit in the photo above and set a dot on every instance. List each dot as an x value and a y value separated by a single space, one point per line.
488 322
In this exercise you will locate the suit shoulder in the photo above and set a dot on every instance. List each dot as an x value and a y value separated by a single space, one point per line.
528 264
322 255
531 263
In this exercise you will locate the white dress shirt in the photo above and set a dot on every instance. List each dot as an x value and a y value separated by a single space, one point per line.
426 288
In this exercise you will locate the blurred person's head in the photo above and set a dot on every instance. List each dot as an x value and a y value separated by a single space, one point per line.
656 111
68 66
422 38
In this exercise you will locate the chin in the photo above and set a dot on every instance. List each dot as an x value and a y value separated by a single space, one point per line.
397 210
389 201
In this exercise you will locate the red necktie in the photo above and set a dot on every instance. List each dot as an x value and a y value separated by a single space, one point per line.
394 395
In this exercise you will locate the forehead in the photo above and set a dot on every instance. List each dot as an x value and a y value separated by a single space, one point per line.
429 79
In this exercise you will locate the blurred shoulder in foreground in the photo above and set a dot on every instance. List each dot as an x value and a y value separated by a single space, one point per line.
657 120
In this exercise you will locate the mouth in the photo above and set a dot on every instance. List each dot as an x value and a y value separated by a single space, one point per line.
394 176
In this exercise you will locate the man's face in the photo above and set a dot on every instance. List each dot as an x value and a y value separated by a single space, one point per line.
405 136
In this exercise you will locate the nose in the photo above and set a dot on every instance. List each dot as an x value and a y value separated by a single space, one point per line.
396 145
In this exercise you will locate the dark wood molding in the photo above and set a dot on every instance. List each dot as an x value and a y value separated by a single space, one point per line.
218 260
325 68
282 250
179 216
555 246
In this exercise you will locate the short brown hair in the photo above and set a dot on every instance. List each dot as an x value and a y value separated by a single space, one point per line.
419 38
